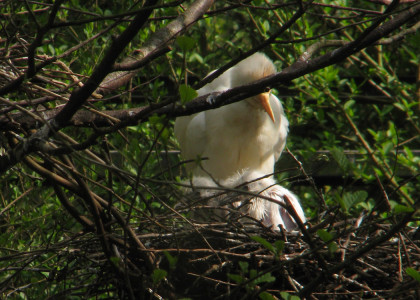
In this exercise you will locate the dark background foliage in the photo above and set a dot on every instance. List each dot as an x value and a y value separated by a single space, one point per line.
92 204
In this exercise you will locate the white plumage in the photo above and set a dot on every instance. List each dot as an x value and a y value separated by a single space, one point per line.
240 142
237 136
270 208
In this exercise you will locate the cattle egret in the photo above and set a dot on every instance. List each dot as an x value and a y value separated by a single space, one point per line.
241 143
249 134
270 208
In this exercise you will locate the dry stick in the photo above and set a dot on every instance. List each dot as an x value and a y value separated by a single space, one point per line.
24 103
306 55
13 85
38 40
78 97
399 259
84 221
236 94
105 203
309 288
192 225
309 178
395 38
72 186
120 16
95 208
378 163
8 206
156 45
382 89
33 165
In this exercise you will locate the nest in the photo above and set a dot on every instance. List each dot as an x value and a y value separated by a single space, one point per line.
230 260
220 261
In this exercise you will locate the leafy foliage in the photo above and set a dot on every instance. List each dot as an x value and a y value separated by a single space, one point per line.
99 212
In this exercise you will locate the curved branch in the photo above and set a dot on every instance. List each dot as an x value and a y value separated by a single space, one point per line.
155 46
78 97
215 100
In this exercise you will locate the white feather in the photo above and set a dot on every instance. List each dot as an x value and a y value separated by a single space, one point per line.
272 213
236 136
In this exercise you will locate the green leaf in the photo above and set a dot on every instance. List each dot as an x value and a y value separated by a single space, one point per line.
264 242
155 119
413 273
158 275
186 93
172 260
324 235
236 278
244 266
341 159
332 247
279 245
398 209
350 199
115 260
264 278
287 296
387 147
265 296
185 43
349 104
327 238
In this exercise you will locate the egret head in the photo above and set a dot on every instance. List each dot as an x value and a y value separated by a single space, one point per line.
253 68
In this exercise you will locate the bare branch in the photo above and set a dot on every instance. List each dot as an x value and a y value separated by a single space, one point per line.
236 94
155 46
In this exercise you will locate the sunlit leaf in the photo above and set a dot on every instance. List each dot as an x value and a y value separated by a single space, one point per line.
186 93
324 235
413 273
402 209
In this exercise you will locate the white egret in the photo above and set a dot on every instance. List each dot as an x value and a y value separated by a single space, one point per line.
241 143
249 134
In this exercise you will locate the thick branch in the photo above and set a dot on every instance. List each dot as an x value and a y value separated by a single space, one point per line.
155 46
78 97
206 102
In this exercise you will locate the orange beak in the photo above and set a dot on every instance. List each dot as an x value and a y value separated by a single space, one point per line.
265 102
